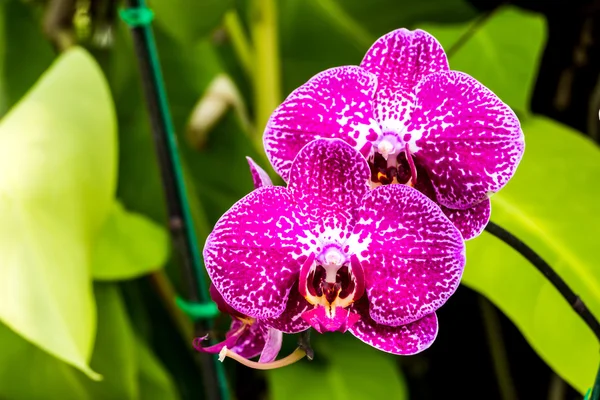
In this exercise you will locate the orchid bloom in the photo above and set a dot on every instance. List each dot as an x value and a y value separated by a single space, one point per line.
247 336
328 252
416 122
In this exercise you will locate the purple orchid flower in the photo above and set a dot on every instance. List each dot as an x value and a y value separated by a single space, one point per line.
415 121
328 252
247 336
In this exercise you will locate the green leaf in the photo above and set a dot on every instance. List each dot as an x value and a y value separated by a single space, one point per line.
345 368
383 16
115 356
154 381
58 163
189 20
27 372
129 245
500 56
129 368
549 205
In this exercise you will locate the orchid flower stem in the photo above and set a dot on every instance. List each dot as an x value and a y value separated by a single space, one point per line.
297 355
304 344
574 301
241 45
139 18
266 69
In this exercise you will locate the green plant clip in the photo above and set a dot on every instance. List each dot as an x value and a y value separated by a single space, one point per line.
136 17
197 311
587 395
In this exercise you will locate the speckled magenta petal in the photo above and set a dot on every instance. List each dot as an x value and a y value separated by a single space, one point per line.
252 341
222 305
469 141
471 221
273 342
327 180
259 175
400 60
337 103
402 340
236 331
414 257
251 254
290 321
340 321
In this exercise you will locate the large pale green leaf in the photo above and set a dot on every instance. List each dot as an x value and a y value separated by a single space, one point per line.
129 245
550 204
344 368
129 368
503 53
58 163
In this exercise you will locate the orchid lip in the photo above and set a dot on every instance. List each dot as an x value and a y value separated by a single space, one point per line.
331 283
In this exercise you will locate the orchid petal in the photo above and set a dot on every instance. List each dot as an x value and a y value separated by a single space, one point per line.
236 331
472 221
259 175
469 141
250 254
290 321
337 103
403 340
222 305
340 321
273 341
252 341
327 180
414 257
400 60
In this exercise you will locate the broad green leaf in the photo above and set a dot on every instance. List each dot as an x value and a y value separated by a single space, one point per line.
344 368
27 372
114 355
188 20
154 381
58 163
129 368
549 205
500 56
128 246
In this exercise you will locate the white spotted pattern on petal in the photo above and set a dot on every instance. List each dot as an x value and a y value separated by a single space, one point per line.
416 256
400 60
328 180
471 221
337 103
251 254
402 340
470 141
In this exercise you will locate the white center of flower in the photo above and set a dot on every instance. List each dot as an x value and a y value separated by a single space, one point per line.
333 256
385 148
332 261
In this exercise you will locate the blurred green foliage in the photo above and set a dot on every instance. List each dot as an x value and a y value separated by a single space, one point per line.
66 241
